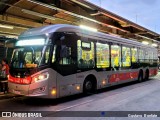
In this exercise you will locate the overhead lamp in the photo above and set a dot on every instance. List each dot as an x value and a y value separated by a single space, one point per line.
154 45
38 14
73 14
6 26
145 42
88 28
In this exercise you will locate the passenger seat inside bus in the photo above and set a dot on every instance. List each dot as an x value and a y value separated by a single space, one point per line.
86 64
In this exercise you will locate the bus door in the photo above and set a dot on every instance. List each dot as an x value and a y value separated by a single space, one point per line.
66 52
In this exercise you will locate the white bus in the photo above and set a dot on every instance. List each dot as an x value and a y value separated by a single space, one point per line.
60 60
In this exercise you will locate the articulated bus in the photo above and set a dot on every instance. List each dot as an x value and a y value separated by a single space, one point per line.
60 60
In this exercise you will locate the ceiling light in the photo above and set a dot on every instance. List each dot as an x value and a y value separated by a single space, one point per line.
38 14
6 26
145 42
88 28
154 45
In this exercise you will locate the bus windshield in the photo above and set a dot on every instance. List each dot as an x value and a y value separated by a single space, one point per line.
30 56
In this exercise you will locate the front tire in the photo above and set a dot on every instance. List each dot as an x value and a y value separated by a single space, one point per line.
88 87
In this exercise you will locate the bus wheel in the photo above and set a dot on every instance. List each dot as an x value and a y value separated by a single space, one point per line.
147 74
140 76
89 86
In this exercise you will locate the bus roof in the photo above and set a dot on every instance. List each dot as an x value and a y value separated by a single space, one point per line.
71 28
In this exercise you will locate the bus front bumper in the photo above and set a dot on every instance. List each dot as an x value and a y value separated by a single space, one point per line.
38 89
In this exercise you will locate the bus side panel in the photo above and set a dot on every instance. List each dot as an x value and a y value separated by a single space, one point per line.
67 85
39 89
52 83
123 76
153 71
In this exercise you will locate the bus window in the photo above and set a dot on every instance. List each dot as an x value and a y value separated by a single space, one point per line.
115 56
45 59
53 56
102 55
155 55
146 56
38 55
151 56
85 54
28 57
134 54
141 55
65 55
47 54
126 59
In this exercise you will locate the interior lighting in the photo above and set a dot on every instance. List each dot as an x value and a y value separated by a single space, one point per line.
145 42
6 26
154 45
88 28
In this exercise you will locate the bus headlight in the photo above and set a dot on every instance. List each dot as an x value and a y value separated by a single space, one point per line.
39 77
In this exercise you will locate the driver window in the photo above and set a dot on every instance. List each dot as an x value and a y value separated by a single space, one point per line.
53 56
37 56
47 55
28 57
45 59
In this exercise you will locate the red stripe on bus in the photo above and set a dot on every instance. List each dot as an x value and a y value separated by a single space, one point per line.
123 76
153 71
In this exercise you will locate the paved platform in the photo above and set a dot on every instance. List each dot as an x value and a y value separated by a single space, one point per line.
7 95
144 96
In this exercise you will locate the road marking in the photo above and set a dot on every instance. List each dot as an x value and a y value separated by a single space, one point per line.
75 105
99 95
